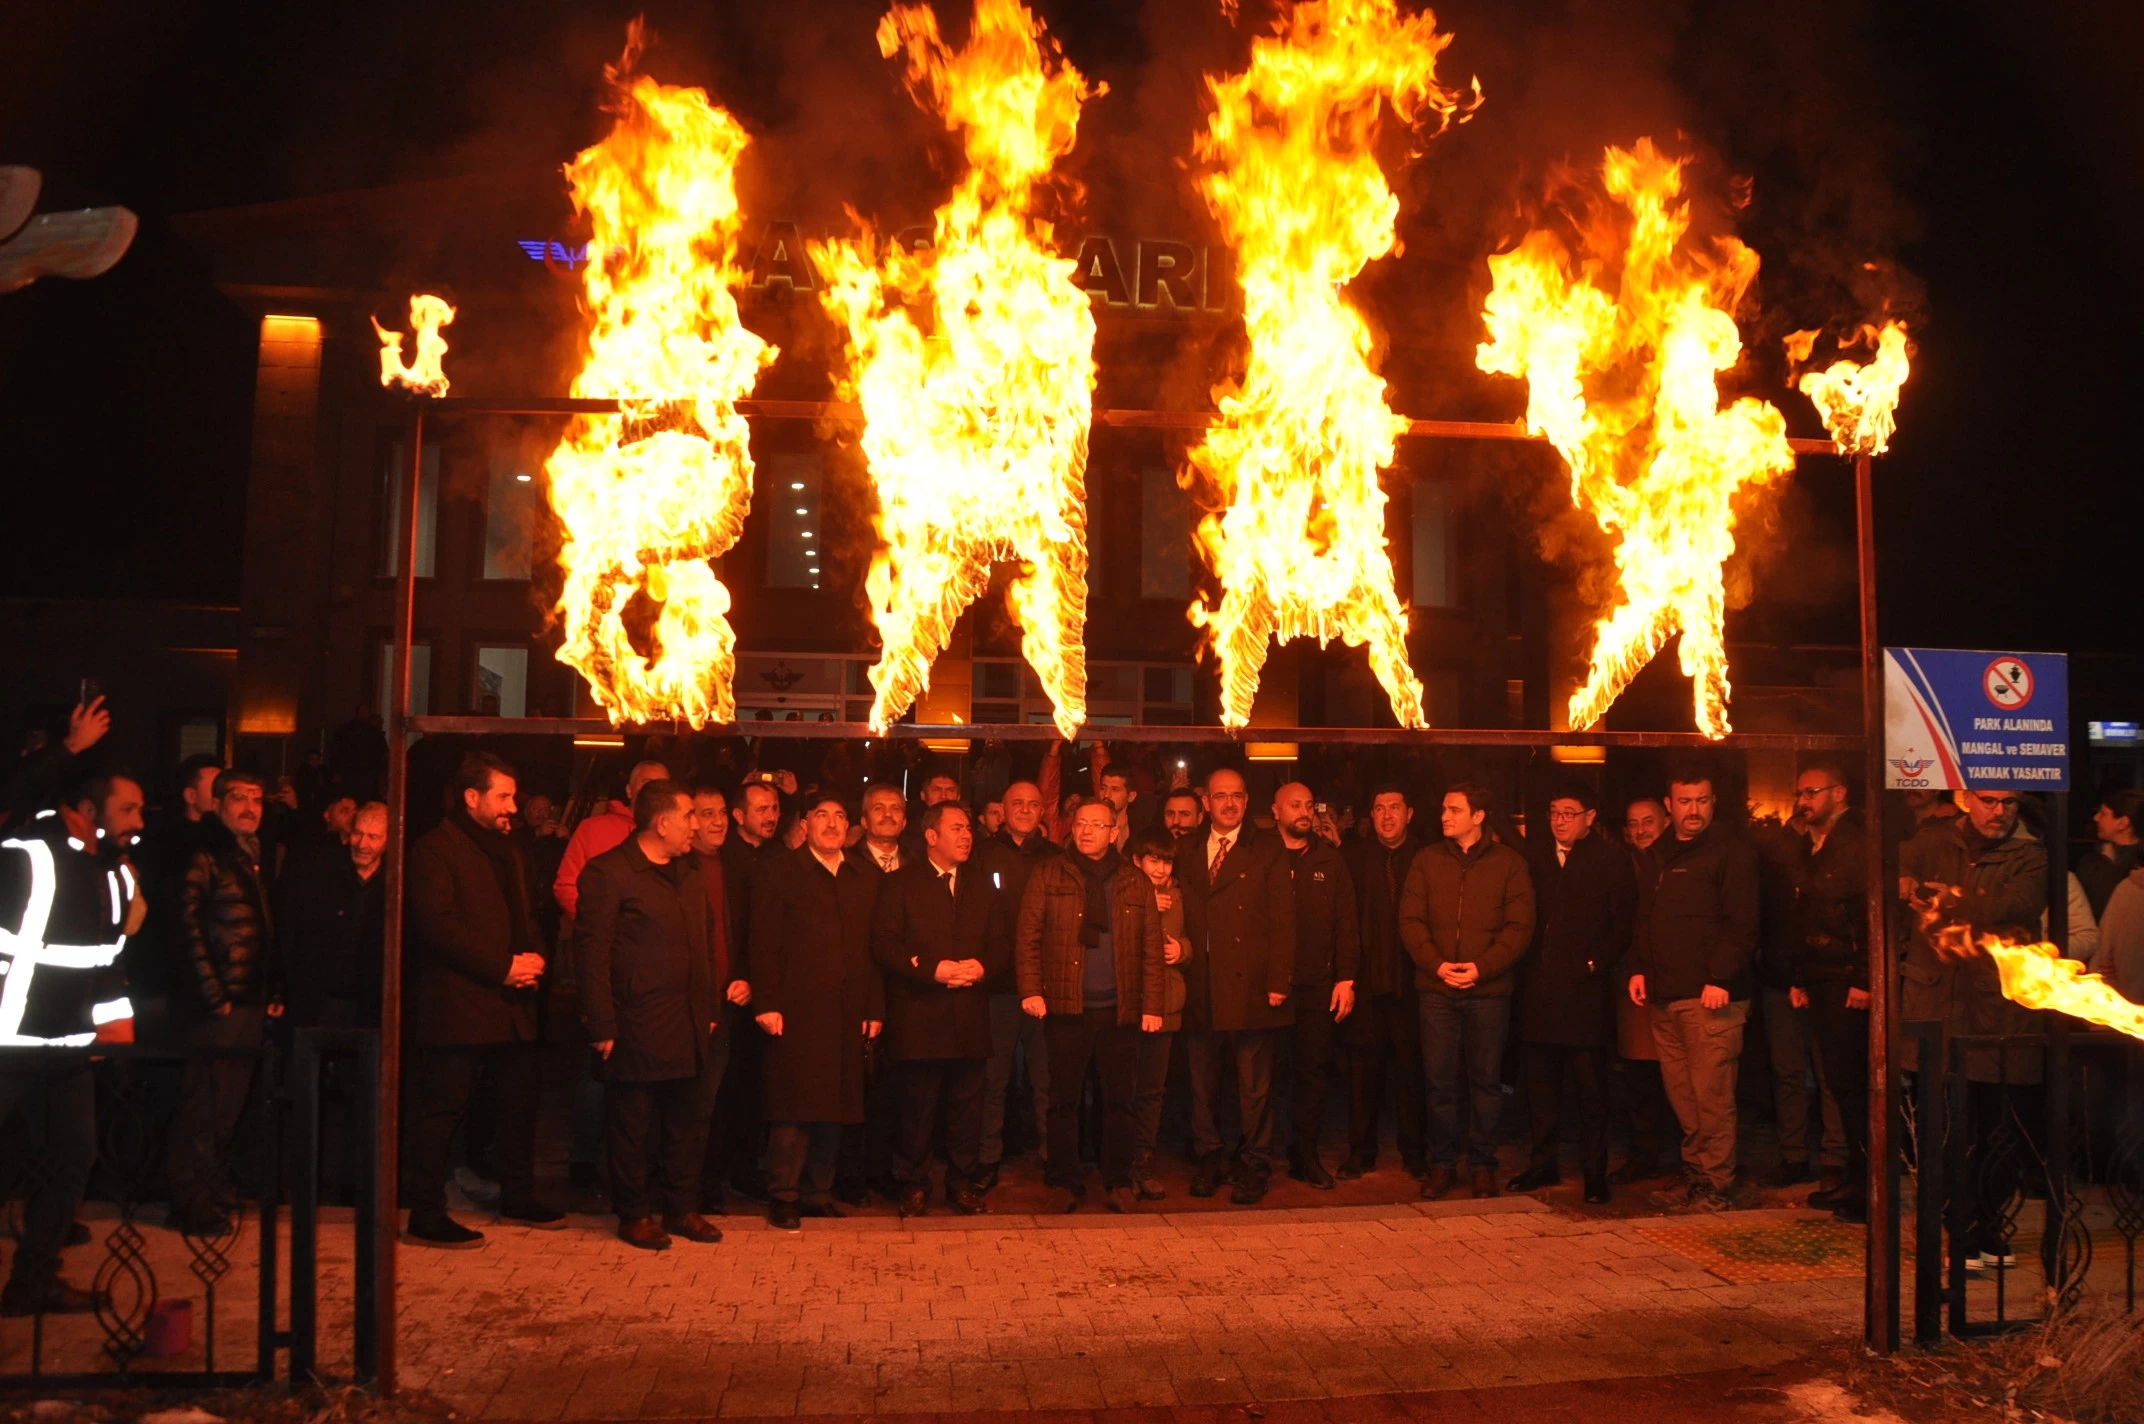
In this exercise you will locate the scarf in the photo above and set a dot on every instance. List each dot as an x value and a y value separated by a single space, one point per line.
505 858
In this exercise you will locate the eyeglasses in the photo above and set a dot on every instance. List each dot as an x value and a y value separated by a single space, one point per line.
1556 815
1810 793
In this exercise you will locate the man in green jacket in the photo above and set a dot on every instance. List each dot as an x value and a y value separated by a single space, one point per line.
1466 918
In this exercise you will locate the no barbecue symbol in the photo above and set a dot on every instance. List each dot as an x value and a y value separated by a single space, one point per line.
2008 683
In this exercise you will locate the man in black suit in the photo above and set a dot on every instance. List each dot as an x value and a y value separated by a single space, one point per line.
1586 899
941 935
1239 913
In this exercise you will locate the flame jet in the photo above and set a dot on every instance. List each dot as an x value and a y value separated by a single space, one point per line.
425 372
648 496
973 360
1858 401
1626 388
1297 541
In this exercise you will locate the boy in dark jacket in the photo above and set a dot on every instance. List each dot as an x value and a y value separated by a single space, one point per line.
1155 851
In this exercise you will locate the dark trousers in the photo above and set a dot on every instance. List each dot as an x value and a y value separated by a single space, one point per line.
1313 1064
1842 1042
866 1154
1075 1040
1652 1120
438 1099
1543 1066
2004 1157
60 1109
212 1100
1391 1033
1250 1051
1152 1092
930 1092
737 1130
1462 1060
800 1161
669 1119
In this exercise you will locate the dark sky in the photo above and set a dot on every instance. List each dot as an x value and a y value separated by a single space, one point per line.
1994 154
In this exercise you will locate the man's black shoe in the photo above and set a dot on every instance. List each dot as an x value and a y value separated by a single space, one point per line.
693 1227
440 1231
1309 1169
1417 1169
1853 1209
1790 1174
987 1178
1355 1168
824 1209
853 1191
914 1202
1533 1179
967 1201
1206 1176
1826 1201
536 1215
1597 1193
1439 1181
643 1231
1248 1187
784 1216
54 1297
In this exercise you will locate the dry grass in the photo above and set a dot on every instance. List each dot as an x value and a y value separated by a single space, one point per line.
2083 1366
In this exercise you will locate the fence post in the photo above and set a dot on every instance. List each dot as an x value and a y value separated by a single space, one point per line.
305 1207
1932 1124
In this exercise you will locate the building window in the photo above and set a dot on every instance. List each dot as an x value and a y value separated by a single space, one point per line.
392 480
1432 541
420 680
510 514
790 487
1164 536
502 681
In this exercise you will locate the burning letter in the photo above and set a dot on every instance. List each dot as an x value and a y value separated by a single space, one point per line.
973 359
1625 386
1859 402
649 495
426 372
1298 540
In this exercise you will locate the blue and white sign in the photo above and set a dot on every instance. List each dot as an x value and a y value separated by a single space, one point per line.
1955 719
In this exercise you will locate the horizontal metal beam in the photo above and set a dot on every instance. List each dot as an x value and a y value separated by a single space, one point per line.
1116 732
850 413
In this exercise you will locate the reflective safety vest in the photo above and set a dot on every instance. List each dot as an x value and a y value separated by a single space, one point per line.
59 963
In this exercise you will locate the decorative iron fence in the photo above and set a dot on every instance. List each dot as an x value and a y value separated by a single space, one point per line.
143 1329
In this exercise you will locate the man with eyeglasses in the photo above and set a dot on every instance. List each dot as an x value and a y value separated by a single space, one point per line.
1987 872
1829 965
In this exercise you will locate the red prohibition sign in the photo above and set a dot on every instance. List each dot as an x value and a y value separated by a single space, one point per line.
2008 683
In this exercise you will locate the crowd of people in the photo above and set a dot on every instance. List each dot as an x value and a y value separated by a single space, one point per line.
802 995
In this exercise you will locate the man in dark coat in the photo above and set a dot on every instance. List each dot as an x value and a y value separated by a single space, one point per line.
819 997
1828 959
329 926
1327 956
474 966
1585 900
942 935
1008 859
1693 967
653 1010
1384 1034
753 842
1239 914
228 991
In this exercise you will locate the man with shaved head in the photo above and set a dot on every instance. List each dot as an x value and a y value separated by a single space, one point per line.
1006 860
1327 952
606 830
1239 914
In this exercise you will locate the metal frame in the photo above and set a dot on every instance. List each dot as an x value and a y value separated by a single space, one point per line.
1880 1323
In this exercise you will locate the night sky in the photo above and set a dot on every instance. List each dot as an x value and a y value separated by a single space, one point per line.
1993 154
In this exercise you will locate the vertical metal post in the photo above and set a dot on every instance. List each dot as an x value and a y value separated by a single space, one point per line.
1931 1119
1880 1278
304 1155
387 1120
365 1330
2056 1086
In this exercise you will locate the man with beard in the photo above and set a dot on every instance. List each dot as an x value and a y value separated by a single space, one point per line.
819 997
941 933
1829 959
1008 859
1652 1121
1327 955
867 1147
751 844
1384 1034
1585 899
1182 813
475 964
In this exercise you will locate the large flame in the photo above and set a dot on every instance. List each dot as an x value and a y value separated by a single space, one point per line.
973 360
1297 543
2035 975
1859 402
648 496
1625 386
426 371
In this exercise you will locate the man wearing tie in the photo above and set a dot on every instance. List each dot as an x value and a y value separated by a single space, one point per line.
1239 913
942 935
